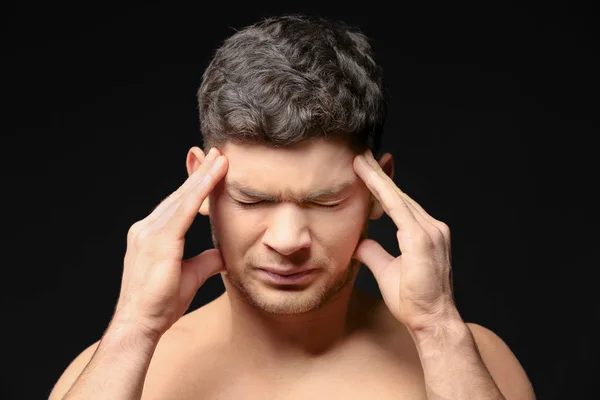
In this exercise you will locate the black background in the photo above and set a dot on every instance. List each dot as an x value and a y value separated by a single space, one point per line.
493 113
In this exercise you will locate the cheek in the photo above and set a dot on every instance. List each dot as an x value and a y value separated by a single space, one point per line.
340 232
234 228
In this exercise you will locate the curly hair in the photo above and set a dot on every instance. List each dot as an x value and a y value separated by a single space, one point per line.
292 78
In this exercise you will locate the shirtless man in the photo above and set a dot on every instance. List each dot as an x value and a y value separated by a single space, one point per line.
291 110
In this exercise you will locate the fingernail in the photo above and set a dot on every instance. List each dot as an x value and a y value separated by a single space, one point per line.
366 158
362 160
218 162
211 154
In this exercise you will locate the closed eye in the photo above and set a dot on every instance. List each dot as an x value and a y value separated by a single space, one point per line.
256 204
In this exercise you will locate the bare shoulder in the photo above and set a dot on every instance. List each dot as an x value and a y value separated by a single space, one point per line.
72 372
373 315
382 330
502 364
189 354
181 340
194 332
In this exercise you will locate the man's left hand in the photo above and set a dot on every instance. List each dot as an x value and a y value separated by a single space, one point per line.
417 285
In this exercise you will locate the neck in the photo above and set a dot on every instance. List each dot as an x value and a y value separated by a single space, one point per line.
299 337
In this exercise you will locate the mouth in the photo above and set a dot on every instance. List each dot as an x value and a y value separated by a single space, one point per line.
287 277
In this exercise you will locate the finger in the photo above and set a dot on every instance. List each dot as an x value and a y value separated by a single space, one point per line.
178 218
386 192
371 254
439 226
196 270
197 175
178 214
425 220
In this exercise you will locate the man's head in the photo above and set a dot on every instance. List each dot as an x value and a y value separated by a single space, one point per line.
288 79
290 101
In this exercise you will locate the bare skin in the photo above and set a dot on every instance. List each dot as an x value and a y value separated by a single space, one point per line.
195 359
351 369
258 341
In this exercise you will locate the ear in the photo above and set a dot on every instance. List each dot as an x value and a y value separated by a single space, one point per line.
195 158
386 162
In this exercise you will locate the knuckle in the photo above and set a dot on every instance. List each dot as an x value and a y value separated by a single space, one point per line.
142 237
423 240
444 228
133 231
139 234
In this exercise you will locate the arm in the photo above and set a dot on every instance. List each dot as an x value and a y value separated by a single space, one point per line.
70 375
156 290
459 361
113 368
468 361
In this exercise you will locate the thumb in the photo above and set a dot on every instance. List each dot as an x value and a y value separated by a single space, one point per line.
371 254
196 270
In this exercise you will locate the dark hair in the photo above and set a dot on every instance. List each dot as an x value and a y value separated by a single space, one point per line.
292 78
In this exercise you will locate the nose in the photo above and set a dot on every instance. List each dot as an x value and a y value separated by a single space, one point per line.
287 231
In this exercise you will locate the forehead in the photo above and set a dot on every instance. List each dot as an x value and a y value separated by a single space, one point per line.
292 172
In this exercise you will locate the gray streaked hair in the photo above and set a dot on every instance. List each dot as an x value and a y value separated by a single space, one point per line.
293 78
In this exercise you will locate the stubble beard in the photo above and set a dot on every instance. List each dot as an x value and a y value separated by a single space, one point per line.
291 305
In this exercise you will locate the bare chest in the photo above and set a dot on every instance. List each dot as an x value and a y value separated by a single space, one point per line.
378 362
326 387
361 378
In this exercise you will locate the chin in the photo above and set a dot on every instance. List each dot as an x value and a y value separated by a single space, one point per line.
290 299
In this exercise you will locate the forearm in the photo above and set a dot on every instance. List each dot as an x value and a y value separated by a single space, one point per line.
117 369
452 365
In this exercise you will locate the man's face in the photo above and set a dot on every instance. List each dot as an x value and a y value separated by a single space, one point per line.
286 229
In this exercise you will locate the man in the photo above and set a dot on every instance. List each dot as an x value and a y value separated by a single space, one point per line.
292 110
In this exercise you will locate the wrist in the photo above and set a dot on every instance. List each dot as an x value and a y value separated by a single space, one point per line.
128 321
130 336
441 336
425 325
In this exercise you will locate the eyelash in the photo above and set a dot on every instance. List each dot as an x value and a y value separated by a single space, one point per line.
253 205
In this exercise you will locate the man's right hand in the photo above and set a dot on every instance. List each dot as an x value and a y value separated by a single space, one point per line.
158 285
157 289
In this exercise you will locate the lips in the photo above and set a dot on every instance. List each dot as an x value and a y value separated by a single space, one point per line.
288 278
289 273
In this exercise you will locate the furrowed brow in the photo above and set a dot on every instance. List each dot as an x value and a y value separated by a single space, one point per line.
331 191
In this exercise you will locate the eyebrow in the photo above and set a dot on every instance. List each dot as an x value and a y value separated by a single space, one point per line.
331 191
